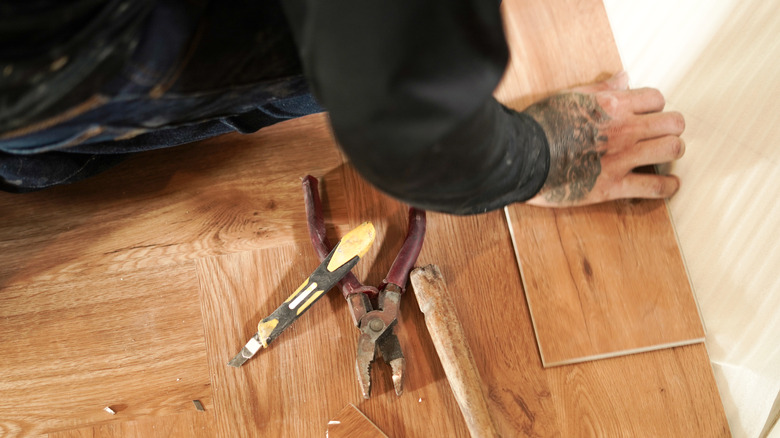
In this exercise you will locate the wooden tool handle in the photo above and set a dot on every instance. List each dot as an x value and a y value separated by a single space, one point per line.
454 353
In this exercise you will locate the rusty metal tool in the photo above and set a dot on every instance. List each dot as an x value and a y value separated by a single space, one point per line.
334 266
376 323
450 342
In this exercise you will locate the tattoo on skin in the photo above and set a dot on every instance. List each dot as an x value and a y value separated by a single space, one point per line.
571 122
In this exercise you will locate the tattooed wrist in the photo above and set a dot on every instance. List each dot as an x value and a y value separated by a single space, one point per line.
572 124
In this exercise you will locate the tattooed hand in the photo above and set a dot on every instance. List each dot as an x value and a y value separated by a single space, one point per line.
598 135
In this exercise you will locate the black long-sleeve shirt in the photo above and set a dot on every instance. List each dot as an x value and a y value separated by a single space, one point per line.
408 86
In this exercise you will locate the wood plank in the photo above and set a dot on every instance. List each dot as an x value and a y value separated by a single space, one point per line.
72 347
554 45
603 280
351 423
667 392
232 193
190 424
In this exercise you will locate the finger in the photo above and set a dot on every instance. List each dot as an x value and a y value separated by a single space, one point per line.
646 100
655 151
656 125
619 81
636 185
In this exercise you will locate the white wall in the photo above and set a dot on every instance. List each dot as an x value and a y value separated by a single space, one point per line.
718 62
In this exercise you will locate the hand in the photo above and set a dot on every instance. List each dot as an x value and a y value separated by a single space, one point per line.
598 135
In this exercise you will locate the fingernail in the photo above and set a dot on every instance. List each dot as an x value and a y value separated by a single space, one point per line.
678 185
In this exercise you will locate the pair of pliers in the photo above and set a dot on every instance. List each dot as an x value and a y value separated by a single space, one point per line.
375 323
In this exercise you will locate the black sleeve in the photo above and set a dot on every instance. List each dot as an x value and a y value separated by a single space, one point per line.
408 85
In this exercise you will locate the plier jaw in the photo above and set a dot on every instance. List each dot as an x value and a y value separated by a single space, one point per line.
377 335
376 325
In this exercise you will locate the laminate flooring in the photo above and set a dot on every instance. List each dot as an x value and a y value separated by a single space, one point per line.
133 289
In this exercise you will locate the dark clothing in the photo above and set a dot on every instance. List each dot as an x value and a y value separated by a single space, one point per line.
407 84
83 83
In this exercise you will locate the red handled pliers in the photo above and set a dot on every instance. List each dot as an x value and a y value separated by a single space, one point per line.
375 323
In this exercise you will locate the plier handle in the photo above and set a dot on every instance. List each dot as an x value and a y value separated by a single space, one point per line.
375 323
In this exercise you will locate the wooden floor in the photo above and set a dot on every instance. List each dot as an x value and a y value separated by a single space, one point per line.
604 281
133 290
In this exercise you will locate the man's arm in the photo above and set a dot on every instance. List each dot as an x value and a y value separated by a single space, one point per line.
409 84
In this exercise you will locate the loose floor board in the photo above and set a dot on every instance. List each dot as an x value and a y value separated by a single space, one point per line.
351 423
603 280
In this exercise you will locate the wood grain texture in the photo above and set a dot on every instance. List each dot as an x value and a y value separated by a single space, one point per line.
667 392
351 423
229 194
190 424
603 280
70 348
293 387
554 45
627 396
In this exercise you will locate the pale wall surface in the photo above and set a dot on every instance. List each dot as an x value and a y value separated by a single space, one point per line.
718 62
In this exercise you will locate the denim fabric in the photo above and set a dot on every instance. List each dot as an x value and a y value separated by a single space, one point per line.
191 70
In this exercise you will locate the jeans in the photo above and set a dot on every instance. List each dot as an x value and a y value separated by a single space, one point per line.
186 71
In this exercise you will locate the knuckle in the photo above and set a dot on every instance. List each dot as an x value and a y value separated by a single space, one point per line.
657 187
608 101
663 187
